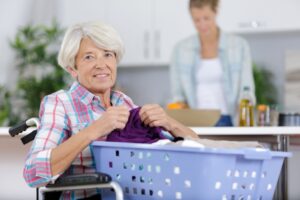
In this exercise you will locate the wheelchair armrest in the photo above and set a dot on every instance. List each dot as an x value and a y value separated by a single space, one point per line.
80 179
29 137
19 128
84 181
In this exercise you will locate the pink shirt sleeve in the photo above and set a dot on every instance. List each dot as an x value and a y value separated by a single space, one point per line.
37 170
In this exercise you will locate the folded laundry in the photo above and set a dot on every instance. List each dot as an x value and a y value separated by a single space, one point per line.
219 143
203 143
135 131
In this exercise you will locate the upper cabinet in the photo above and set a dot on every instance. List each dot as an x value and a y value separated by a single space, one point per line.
131 19
246 16
75 11
172 23
149 28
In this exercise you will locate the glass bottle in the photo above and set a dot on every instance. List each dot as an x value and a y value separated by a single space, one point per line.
246 110
261 115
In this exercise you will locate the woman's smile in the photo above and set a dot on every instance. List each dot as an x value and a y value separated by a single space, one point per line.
101 75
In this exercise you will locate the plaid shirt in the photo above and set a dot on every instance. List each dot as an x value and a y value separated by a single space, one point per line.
62 115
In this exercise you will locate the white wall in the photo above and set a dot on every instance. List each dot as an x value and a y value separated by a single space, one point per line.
269 51
12 157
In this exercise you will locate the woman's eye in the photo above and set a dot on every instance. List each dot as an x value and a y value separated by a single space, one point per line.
88 57
109 54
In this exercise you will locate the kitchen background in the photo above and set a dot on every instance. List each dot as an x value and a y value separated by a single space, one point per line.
150 28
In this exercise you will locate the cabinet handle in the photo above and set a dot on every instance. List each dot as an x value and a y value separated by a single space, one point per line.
252 24
157 44
146 44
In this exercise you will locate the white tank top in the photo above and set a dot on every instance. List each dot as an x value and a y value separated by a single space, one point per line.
210 93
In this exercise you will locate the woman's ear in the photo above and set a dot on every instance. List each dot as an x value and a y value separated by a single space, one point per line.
72 71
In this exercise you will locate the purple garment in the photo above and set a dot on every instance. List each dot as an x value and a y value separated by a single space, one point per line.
135 131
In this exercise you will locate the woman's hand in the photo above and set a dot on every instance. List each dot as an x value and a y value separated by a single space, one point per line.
63 155
154 115
115 117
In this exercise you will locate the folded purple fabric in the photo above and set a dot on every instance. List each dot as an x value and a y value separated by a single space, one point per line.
135 131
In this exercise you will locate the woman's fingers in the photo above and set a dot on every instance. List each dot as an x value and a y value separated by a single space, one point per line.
112 118
116 117
119 115
154 115
149 111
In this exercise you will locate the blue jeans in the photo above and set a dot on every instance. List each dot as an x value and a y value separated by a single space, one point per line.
225 120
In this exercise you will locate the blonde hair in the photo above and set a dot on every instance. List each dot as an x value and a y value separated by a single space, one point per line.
103 35
201 3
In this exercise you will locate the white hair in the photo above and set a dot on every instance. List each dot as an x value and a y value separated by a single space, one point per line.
103 35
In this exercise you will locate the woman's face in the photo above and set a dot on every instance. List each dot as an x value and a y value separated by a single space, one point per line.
96 68
204 19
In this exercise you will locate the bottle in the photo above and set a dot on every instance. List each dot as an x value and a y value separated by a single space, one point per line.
261 115
246 112
274 115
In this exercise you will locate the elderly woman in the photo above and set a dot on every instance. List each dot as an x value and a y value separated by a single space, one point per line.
89 110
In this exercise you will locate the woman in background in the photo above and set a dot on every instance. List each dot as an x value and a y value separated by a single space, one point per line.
210 69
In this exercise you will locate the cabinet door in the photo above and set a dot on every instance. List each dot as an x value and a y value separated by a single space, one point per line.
131 18
283 15
149 28
258 15
172 22
75 11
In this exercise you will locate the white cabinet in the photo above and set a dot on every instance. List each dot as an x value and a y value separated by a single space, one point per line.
259 15
149 28
172 23
131 19
74 11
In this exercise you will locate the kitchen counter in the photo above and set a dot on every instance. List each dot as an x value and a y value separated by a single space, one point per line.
263 132
279 130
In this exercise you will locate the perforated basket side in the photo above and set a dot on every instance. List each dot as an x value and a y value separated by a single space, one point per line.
164 173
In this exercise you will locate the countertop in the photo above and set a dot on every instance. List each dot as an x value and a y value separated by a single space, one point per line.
271 130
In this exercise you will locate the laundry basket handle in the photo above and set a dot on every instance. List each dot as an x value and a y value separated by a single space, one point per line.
259 154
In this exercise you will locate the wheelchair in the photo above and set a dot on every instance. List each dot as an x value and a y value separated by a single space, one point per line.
52 191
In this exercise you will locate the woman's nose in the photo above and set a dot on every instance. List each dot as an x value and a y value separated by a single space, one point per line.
100 63
200 23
